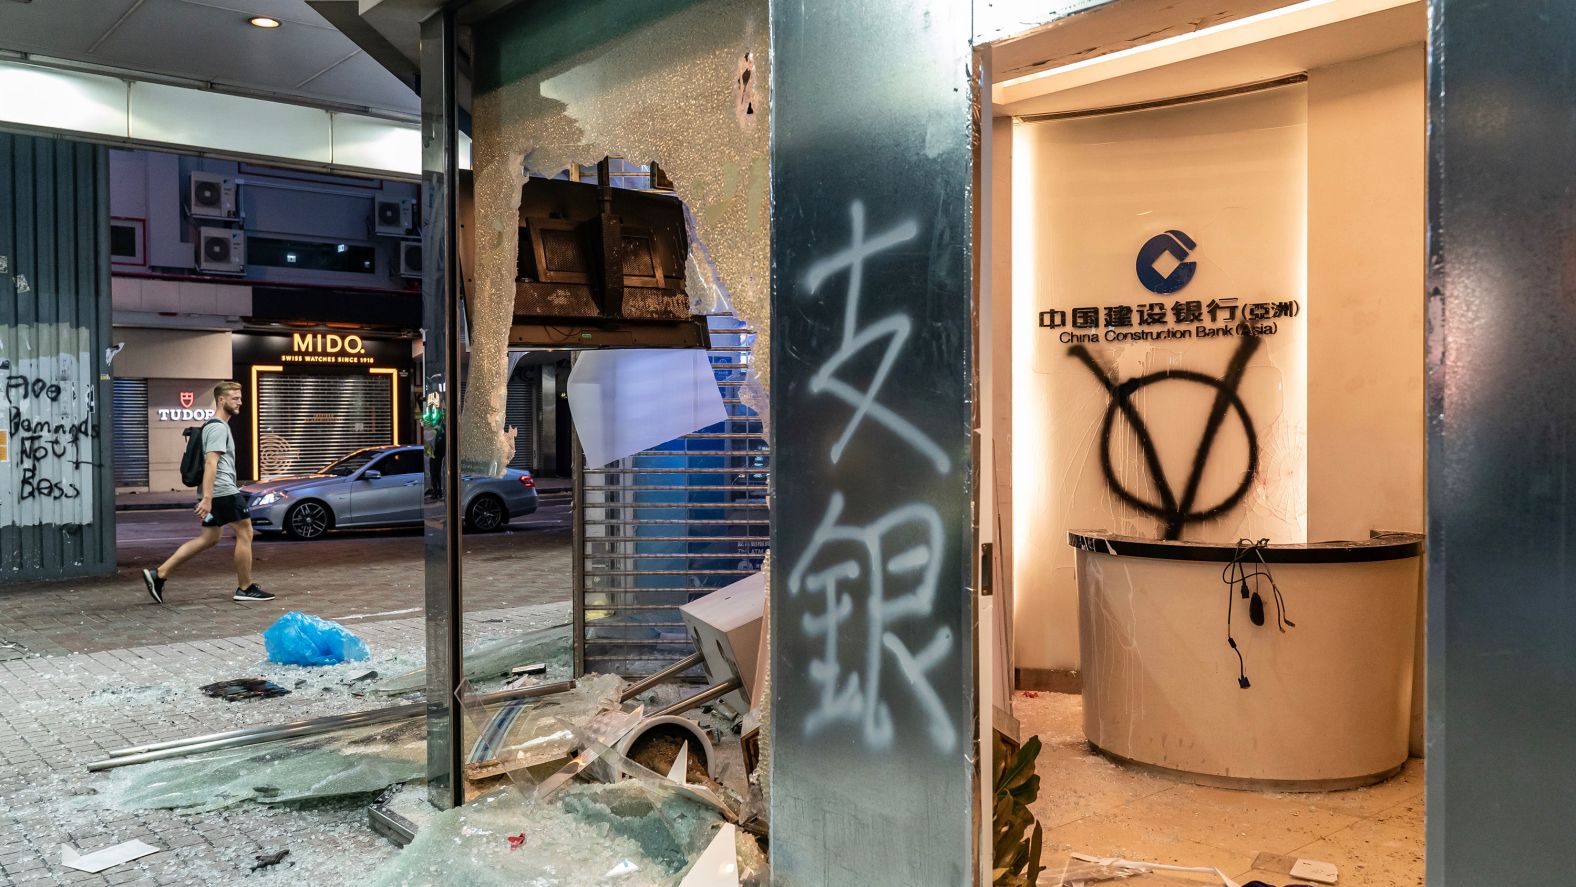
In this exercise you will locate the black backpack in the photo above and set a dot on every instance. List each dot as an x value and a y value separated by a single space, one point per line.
194 459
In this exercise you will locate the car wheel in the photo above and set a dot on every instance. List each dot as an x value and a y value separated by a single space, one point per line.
486 514
308 520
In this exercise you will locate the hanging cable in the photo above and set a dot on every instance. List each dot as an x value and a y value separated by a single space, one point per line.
1238 571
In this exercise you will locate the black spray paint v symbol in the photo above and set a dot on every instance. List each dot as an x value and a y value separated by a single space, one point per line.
1173 512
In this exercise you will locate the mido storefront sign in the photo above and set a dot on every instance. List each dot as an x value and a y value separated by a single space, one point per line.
331 348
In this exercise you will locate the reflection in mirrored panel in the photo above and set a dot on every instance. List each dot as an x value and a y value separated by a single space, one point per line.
611 251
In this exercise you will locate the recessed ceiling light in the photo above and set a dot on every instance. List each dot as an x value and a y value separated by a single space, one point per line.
263 21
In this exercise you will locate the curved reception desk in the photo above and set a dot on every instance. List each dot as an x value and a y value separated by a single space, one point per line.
1328 673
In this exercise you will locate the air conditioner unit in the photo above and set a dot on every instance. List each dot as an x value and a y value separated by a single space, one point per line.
410 258
212 197
222 250
393 217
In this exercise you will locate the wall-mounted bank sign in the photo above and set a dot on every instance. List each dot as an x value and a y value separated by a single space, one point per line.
185 413
1219 317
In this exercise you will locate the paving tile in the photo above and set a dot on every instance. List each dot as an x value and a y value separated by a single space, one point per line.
59 711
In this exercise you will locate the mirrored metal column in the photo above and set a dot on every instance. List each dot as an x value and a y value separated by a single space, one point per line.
1501 404
441 384
873 723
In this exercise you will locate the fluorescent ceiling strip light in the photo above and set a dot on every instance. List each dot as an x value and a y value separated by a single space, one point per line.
1206 41
163 116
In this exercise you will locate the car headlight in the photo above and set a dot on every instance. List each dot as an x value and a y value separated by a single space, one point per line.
270 498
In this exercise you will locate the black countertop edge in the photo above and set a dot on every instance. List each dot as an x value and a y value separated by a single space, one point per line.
1389 547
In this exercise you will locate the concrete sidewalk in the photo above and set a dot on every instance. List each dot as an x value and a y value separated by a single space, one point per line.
365 575
548 487
63 712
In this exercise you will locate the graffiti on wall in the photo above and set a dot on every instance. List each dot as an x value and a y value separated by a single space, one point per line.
47 389
874 585
1176 509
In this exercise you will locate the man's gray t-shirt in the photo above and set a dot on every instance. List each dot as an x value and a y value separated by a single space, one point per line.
216 438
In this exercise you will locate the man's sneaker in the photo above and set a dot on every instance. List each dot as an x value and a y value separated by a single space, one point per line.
155 585
252 593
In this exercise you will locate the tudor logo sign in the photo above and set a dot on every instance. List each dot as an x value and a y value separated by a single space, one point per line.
1178 246
185 413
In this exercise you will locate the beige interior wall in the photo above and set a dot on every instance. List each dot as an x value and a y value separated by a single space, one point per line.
1366 256
1365 436
999 393
1230 172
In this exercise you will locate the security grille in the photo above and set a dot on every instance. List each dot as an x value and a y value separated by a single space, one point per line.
669 525
131 432
520 413
306 422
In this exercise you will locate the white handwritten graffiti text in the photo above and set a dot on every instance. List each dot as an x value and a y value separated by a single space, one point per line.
892 565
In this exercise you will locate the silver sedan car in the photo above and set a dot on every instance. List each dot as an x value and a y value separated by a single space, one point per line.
380 487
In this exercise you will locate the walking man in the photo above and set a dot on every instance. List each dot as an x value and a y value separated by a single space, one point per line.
222 504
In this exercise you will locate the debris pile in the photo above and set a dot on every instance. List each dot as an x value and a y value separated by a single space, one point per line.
575 782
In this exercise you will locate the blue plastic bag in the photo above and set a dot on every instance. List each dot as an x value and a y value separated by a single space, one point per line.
300 639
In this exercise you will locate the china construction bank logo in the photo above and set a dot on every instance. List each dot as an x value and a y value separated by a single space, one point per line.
1175 244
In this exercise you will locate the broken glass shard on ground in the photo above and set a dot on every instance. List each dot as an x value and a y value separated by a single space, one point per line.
496 658
525 733
623 834
352 761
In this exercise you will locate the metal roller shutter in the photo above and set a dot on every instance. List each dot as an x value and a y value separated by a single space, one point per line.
306 422
130 416
520 412
669 524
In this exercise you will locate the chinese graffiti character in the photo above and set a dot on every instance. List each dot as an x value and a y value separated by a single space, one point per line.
893 564
894 328
1187 312
1086 318
1151 314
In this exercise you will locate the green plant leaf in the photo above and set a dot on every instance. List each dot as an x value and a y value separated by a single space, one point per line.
1032 875
1016 786
1010 828
1028 791
1021 767
999 759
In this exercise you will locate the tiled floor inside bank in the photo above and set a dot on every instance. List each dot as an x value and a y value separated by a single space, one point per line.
1374 835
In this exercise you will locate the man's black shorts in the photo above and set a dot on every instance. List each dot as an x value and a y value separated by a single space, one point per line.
227 510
